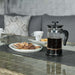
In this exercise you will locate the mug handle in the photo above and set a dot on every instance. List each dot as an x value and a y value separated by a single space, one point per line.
32 34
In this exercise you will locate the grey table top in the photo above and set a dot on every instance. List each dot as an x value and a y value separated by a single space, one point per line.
12 64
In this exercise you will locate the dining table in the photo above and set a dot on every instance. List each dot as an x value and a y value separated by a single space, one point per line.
34 63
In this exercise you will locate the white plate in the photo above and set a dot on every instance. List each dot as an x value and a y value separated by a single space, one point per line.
25 50
38 42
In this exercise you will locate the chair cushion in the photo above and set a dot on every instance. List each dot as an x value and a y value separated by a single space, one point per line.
16 24
35 24
1 21
67 21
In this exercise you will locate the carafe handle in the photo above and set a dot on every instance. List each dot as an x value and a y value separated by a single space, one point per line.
66 35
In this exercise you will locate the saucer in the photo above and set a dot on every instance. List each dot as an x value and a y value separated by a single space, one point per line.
38 42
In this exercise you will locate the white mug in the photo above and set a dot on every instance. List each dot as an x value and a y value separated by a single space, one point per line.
38 35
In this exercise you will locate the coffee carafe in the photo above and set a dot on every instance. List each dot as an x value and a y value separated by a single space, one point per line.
54 44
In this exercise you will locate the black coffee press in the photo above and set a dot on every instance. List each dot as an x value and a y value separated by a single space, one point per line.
54 44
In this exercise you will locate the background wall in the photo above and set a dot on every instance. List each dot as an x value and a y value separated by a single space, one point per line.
38 7
1 7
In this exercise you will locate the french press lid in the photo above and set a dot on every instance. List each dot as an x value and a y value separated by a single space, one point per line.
55 25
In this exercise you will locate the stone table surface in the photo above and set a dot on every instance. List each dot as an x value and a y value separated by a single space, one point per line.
18 65
12 64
